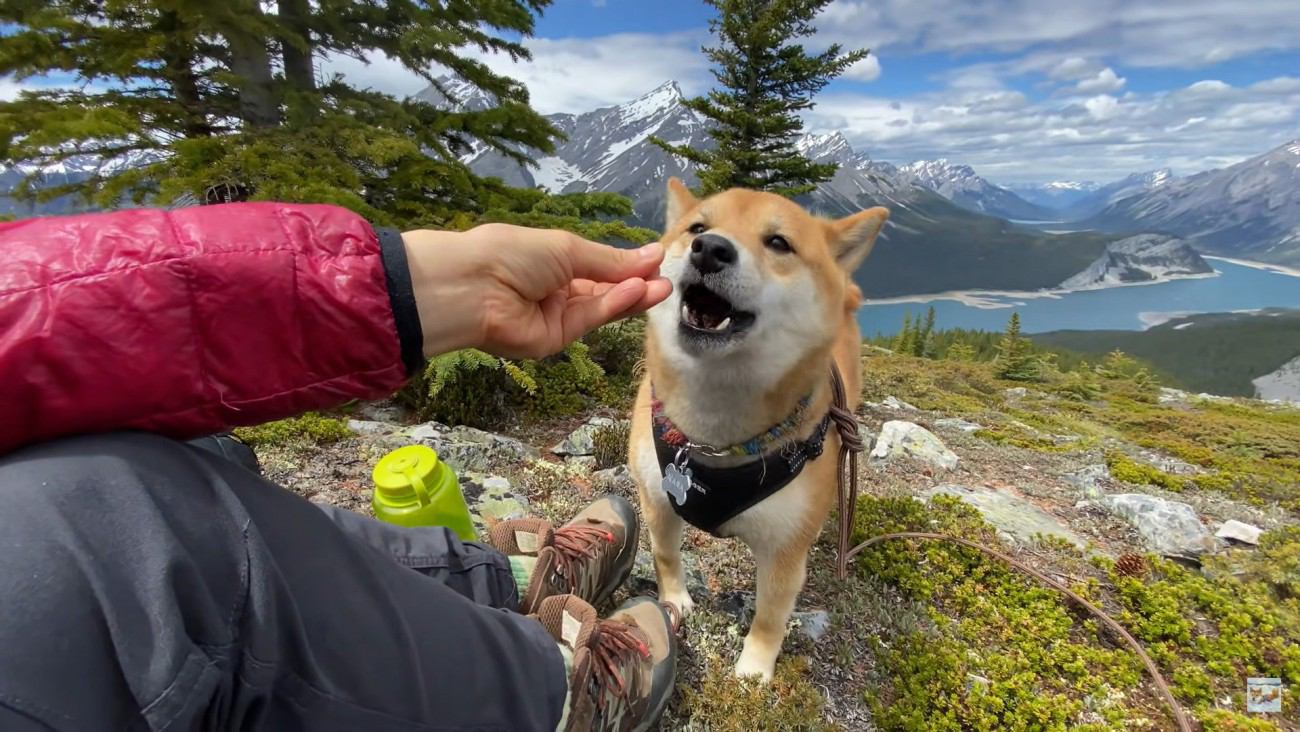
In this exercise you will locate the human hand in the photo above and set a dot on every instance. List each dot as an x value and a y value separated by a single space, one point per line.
524 293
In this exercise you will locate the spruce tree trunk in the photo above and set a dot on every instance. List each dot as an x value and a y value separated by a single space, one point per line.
251 62
298 69
178 62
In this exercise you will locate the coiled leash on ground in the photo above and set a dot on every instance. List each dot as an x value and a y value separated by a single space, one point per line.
851 443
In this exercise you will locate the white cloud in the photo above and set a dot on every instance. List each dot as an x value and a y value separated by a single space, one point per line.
1067 35
868 69
567 74
1102 107
1105 81
9 88
1010 138
1074 67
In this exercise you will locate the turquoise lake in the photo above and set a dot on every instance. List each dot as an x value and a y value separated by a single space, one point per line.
1237 287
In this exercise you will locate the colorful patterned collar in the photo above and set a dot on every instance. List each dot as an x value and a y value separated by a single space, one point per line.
778 434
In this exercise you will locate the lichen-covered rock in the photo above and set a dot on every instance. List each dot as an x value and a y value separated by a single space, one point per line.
371 427
1016 392
581 442
893 402
643 580
810 624
1015 518
1168 527
959 425
1090 481
612 477
467 449
491 498
898 438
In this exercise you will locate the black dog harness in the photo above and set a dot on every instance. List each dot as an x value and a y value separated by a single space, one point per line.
717 495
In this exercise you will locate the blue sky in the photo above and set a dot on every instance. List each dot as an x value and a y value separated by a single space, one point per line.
1024 90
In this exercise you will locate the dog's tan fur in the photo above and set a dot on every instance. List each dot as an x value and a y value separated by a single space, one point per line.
806 307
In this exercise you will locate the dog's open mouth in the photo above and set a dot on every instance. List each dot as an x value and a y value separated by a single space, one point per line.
706 312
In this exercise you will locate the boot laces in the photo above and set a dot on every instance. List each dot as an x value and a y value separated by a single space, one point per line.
575 546
616 650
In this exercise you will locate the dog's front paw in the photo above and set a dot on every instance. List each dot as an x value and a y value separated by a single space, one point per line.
755 664
680 600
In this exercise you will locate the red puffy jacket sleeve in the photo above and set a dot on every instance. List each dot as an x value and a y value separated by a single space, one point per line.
190 321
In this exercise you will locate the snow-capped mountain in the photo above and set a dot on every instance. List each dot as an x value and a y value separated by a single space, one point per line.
1054 195
1141 258
1249 210
961 185
70 170
1108 194
609 149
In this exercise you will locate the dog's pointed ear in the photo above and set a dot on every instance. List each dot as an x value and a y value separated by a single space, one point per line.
680 200
852 237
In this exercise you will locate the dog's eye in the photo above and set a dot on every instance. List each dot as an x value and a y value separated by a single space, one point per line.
778 243
698 228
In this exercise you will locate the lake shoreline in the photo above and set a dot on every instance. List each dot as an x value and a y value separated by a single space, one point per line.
984 299
1234 287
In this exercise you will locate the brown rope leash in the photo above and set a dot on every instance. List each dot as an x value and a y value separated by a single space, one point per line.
851 444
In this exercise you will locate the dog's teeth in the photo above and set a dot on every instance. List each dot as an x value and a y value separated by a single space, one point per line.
723 325
686 314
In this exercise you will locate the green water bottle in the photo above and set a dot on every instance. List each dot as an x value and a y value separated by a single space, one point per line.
414 488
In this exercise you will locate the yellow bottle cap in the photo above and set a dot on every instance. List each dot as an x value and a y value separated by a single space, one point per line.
406 474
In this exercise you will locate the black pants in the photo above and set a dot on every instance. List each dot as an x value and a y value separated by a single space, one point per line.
149 584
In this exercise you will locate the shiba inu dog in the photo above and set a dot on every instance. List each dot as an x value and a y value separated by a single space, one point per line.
729 430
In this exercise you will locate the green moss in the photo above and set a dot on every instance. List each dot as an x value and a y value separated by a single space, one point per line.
1019 438
310 429
1128 470
1007 653
1223 720
724 703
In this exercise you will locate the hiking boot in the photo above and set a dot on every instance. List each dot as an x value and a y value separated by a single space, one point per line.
622 667
591 556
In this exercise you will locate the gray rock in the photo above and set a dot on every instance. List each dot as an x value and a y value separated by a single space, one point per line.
1013 516
580 442
811 624
612 476
1090 481
1016 392
583 462
491 498
643 580
1168 527
892 402
1172 396
898 438
1168 463
369 427
960 425
383 411
467 449
1239 531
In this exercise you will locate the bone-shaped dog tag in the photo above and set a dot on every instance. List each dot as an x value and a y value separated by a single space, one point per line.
677 481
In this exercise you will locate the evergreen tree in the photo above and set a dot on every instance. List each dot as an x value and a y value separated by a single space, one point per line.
925 338
1015 359
960 352
211 102
766 79
905 341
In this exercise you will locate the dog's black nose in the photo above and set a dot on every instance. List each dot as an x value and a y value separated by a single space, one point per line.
711 253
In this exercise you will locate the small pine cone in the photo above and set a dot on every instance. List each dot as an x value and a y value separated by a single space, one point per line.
1131 565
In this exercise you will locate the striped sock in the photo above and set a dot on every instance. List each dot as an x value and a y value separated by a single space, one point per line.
521 567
